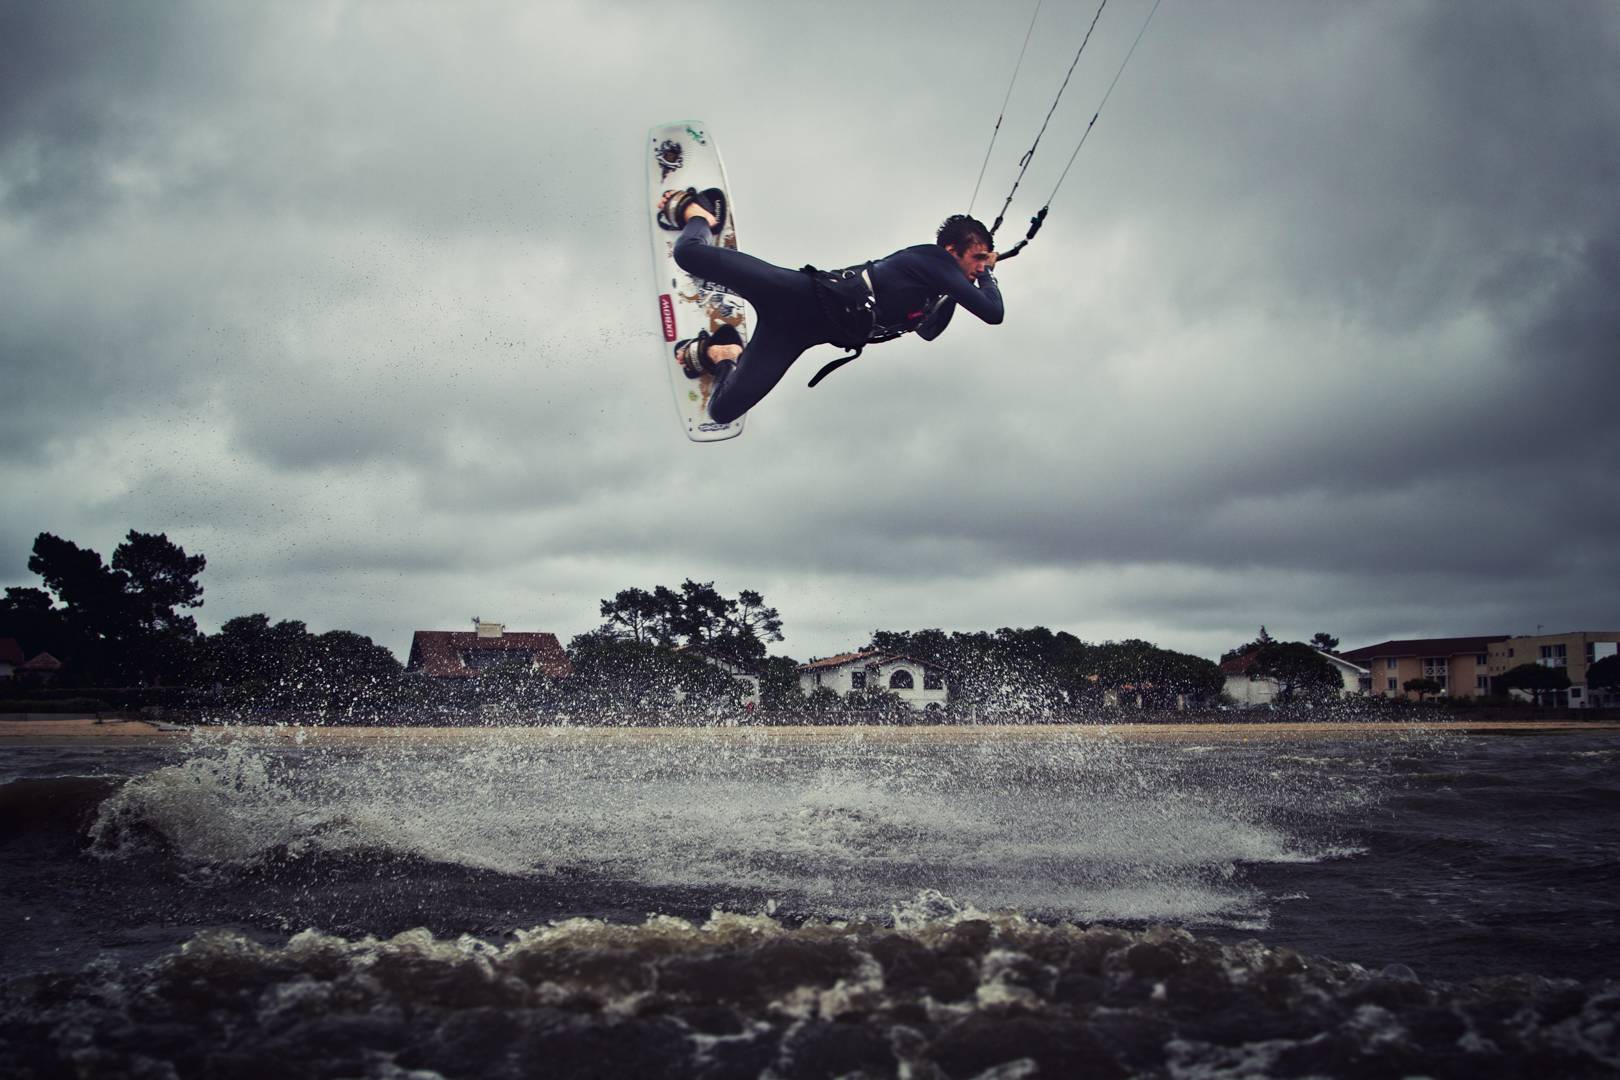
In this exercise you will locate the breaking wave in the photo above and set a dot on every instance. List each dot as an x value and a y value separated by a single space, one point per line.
964 904
1082 833
937 989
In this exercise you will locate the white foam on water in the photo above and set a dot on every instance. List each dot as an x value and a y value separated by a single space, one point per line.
937 988
1076 828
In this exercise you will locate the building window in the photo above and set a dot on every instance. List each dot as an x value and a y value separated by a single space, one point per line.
1482 682
901 680
1391 664
933 680
857 680
1435 667
1390 685
1481 660
1555 656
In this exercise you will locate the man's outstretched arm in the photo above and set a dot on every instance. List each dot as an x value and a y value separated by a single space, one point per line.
985 297
981 296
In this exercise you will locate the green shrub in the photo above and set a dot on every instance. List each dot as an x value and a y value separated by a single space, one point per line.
58 705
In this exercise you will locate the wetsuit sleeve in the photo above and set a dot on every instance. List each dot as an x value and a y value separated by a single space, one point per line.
982 298
933 326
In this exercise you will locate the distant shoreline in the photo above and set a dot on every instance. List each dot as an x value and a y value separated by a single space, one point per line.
19 732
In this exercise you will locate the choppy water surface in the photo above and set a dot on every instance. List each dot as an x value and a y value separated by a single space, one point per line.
748 903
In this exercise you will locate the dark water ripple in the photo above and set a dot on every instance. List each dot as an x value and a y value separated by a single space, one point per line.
745 997
1419 906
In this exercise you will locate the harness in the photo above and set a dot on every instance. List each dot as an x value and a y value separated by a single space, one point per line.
850 308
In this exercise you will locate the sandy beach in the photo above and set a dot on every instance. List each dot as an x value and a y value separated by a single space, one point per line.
21 732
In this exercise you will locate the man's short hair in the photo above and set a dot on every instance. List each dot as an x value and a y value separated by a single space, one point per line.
961 232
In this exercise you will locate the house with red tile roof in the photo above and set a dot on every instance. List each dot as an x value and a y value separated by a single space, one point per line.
41 669
464 654
918 683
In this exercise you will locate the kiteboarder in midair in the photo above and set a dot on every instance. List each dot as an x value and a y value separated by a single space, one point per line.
915 289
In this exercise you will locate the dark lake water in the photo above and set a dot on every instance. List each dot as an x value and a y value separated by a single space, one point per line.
971 903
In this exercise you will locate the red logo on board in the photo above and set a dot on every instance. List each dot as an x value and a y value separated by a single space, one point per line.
666 311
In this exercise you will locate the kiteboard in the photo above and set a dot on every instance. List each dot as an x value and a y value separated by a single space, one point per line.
683 155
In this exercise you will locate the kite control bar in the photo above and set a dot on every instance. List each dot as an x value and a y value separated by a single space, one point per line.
1035 224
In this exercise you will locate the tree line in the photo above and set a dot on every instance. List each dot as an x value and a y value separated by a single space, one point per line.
692 616
1302 672
1033 671
125 622
1298 668
117 623
1037 670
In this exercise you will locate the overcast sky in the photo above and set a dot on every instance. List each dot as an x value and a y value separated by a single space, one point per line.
355 299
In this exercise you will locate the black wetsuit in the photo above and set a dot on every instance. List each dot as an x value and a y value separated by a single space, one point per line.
790 316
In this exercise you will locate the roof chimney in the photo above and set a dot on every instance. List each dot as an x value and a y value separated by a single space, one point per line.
488 629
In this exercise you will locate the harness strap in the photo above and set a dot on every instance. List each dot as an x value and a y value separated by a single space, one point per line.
849 303
833 365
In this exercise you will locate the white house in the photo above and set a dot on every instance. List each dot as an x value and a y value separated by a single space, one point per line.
1249 690
918 683
11 657
749 681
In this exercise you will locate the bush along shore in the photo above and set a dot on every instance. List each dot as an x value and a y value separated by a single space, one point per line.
189 710
114 639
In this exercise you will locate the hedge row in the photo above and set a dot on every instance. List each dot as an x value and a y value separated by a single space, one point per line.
60 705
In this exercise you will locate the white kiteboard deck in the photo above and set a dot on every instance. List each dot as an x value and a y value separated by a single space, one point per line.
683 155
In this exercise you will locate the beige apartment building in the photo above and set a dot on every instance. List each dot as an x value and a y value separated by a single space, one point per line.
1572 653
1469 666
1462 666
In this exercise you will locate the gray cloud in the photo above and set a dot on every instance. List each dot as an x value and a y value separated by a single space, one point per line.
352 298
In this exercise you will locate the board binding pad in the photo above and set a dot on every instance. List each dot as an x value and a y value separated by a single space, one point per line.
684 155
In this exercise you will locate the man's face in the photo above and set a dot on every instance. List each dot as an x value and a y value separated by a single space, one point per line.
972 260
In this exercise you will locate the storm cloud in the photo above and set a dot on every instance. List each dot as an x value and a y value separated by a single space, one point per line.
353 298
